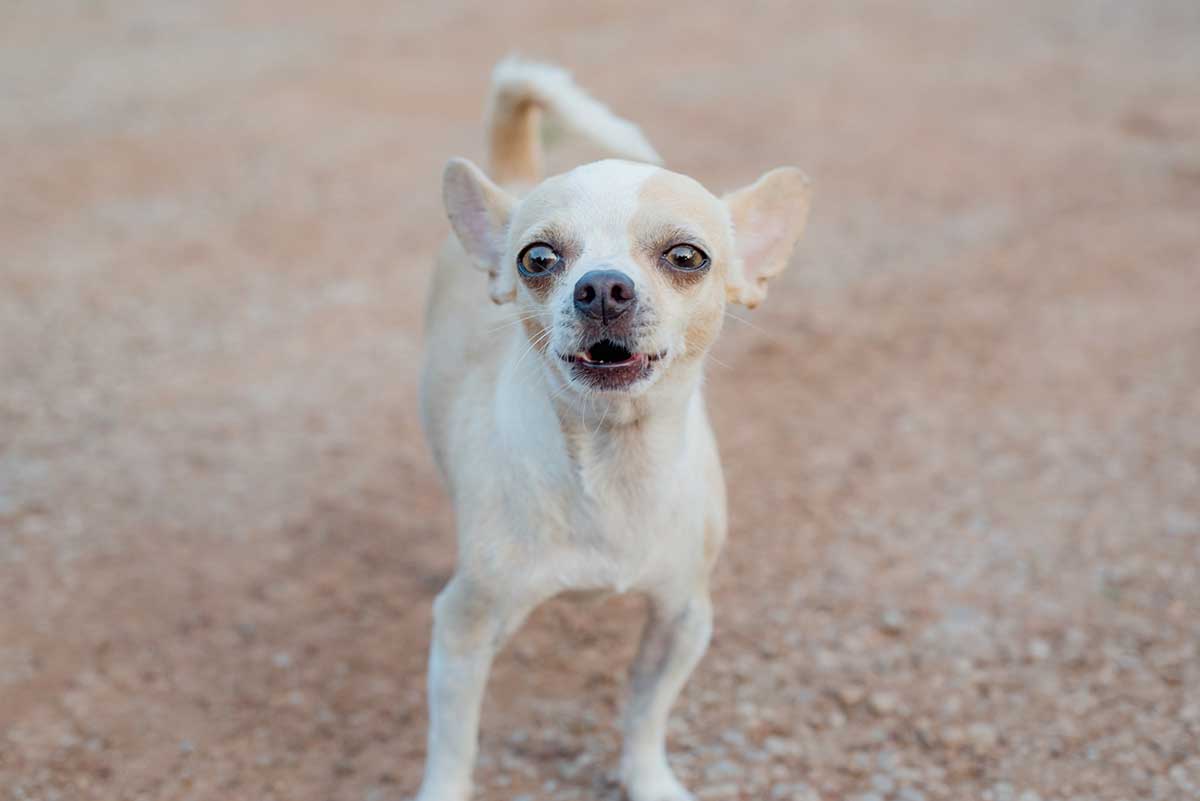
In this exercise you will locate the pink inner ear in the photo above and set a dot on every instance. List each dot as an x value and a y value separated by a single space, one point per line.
477 224
760 244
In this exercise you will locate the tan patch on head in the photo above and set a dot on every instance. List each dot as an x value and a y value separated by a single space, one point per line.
674 209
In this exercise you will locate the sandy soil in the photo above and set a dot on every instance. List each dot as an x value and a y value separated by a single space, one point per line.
962 437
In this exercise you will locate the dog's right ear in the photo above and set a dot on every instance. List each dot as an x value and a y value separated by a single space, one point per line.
479 212
768 220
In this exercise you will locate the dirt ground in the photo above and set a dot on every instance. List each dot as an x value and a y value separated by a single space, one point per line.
962 437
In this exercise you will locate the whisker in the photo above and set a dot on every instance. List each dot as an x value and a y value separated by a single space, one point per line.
718 361
561 391
537 343
603 417
768 334
539 339
511 323
687 342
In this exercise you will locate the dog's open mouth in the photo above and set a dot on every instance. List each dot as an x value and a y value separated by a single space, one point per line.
607 364
604 353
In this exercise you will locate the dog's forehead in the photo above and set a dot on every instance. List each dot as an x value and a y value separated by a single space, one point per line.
620 195
671 200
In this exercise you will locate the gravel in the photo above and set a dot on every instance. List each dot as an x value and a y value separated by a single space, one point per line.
961 437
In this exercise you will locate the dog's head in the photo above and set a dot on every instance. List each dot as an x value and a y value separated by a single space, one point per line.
621 271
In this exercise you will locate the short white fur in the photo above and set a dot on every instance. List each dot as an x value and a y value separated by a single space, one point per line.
559 486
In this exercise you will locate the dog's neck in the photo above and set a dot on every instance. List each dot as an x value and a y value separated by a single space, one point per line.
657 417
631 434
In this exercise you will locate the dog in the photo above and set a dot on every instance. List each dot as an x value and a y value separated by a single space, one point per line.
566 415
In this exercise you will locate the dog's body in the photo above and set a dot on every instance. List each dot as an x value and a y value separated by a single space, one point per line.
571 430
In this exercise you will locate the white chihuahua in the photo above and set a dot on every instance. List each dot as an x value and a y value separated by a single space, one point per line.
567 419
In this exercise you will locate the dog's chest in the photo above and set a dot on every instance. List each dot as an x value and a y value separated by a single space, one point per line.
632 516
572 507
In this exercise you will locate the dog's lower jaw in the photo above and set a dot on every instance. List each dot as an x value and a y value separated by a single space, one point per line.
667 393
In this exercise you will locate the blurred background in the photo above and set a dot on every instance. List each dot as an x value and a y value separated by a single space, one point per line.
962 436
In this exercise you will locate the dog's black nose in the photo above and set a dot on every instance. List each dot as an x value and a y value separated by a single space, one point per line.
604 294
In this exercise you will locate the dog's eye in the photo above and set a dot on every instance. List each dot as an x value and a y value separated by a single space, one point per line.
538 259
686 257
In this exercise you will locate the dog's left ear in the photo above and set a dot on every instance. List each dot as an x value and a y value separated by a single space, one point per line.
768 219
479 212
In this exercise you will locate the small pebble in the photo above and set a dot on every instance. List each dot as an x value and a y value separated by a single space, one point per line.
1039 650
892 621
883 783
882 703
725 769
778 746
734 737
794 792
982 736
851 694
1003 791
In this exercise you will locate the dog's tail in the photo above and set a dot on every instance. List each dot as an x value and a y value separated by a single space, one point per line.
521 92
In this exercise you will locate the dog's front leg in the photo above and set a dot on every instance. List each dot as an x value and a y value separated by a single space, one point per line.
676 636
470 624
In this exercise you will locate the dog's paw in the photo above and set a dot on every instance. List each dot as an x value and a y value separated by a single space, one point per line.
658 784
443 793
